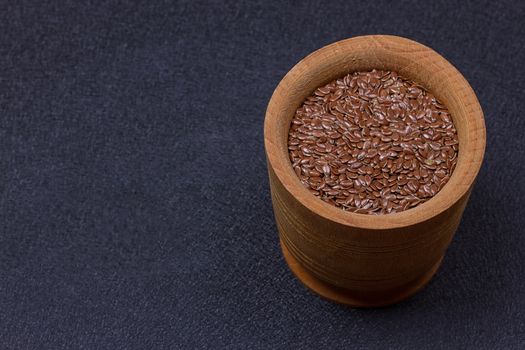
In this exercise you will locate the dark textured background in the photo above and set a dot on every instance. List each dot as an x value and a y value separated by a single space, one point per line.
135 209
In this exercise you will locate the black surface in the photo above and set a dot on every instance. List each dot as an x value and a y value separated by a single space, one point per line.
135 209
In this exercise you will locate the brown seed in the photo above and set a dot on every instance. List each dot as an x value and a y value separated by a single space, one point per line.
402 180
341 169
372 143
441 173
368 180
345 158
322 91
413 185
346 183
306 160
371 153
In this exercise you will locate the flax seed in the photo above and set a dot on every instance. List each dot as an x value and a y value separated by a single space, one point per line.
373 143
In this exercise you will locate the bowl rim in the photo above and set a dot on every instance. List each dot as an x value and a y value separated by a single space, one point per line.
457 187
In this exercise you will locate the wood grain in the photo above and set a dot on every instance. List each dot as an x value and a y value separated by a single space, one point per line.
371 260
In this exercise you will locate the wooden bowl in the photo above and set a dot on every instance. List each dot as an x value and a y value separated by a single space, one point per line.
358 259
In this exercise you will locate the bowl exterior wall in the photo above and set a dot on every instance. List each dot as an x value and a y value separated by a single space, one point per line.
361 259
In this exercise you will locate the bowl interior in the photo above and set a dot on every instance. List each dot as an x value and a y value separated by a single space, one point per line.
411 60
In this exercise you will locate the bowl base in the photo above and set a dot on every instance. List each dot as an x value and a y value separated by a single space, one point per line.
353 298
